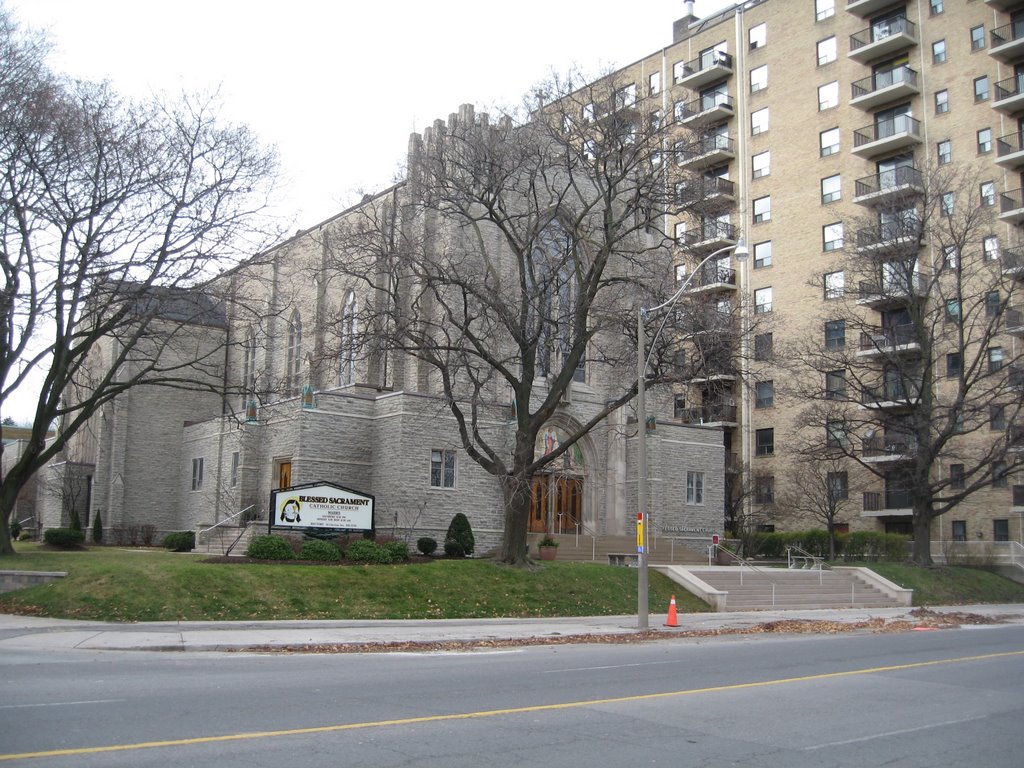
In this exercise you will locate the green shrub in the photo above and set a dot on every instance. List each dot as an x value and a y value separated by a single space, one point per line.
461 533
366 551
873 545
180 541
270 548
426 545
76 521
322 551
15 529
97 529
452 548
66 538
397 550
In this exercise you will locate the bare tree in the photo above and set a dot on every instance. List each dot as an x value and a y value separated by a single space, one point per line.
512 263
818 489
113 213
916 378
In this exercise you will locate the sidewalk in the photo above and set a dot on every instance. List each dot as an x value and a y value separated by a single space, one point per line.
33 633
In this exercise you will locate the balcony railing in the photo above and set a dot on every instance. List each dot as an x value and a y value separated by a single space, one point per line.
1018 495
713 60
888 338
1015 377
705 146
886 129
712 413
1008 90
878 447
872 501
1013 319
892 179
882 37
903 235
705 188
711 102
713 274
1012 258
712 231
892 392
1011 202
902 75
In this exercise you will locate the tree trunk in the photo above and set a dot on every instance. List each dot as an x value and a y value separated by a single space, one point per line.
7 500
923 516
517 494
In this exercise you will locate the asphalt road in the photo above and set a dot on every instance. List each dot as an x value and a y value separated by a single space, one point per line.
935 698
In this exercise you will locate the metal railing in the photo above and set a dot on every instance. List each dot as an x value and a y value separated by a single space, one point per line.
882 31
894 178
702 63
1009 553
224 522
805 561
1007 34
713 551
886 339
885 129
885 79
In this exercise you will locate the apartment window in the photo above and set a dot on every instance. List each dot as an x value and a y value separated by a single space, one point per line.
830 189
944 150
763 254
936 7
758 121
984 141
835 334
236 463
987 192
694 487
828 141
764 442
954 364
981 88
832 236
977 37
763 301
941 102
995 359
835 385
680 272
824 9
758 36
625 97
759 78
679 110
293 362
764 489
947 203
993 304
834 283
588 113
999 475
197 474
442 468
654 84
826 50
951 257
990 248
763 346
838 484
959 530
996 418
836 434
952 311
956 476
762 209
765 394
762 162
1001 529
938 52
828 95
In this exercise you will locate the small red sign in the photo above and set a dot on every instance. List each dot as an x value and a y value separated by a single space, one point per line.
714 538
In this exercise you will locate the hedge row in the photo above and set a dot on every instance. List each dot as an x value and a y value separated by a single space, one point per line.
357 550
860 545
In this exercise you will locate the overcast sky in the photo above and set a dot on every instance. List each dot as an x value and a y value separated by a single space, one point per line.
338 87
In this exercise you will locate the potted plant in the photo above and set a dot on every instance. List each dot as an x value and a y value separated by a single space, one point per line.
547 547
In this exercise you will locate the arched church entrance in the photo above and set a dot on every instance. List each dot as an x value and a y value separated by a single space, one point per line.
558 492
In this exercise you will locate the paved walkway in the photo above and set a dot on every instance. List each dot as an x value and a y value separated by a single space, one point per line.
27 632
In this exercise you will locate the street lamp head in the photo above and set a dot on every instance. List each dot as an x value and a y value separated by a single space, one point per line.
740 251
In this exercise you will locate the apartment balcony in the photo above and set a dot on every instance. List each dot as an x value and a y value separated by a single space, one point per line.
892 240
1007 43
706 193
1015 378
890 397
883 342
1013 262
707 151
706 110
882 39
1010 151
890 504
1018 498
865 8
712 278
719 369
884 87
885 136
704 70
710 415
1008 95
1011 206
1015 438
888 450
1013 320
710 236
897 184
890 294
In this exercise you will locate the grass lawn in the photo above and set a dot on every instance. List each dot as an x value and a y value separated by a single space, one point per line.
950 585
113 584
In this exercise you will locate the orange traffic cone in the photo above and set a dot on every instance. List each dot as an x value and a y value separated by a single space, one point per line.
673 619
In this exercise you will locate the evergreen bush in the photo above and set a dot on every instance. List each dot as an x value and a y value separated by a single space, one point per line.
65 538
426 545
97 529
180 541
270 548
76 522
366 551
460 533
321 551
15 529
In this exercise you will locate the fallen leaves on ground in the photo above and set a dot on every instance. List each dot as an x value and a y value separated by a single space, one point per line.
922 619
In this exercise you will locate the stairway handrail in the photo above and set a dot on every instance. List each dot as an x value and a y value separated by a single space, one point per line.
225 521
817 563
238 538
742 561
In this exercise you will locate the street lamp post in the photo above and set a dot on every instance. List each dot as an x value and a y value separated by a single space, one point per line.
642 359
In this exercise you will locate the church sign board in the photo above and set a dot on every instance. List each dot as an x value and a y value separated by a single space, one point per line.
321 505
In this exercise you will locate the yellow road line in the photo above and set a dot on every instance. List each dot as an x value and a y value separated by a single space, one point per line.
492 712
